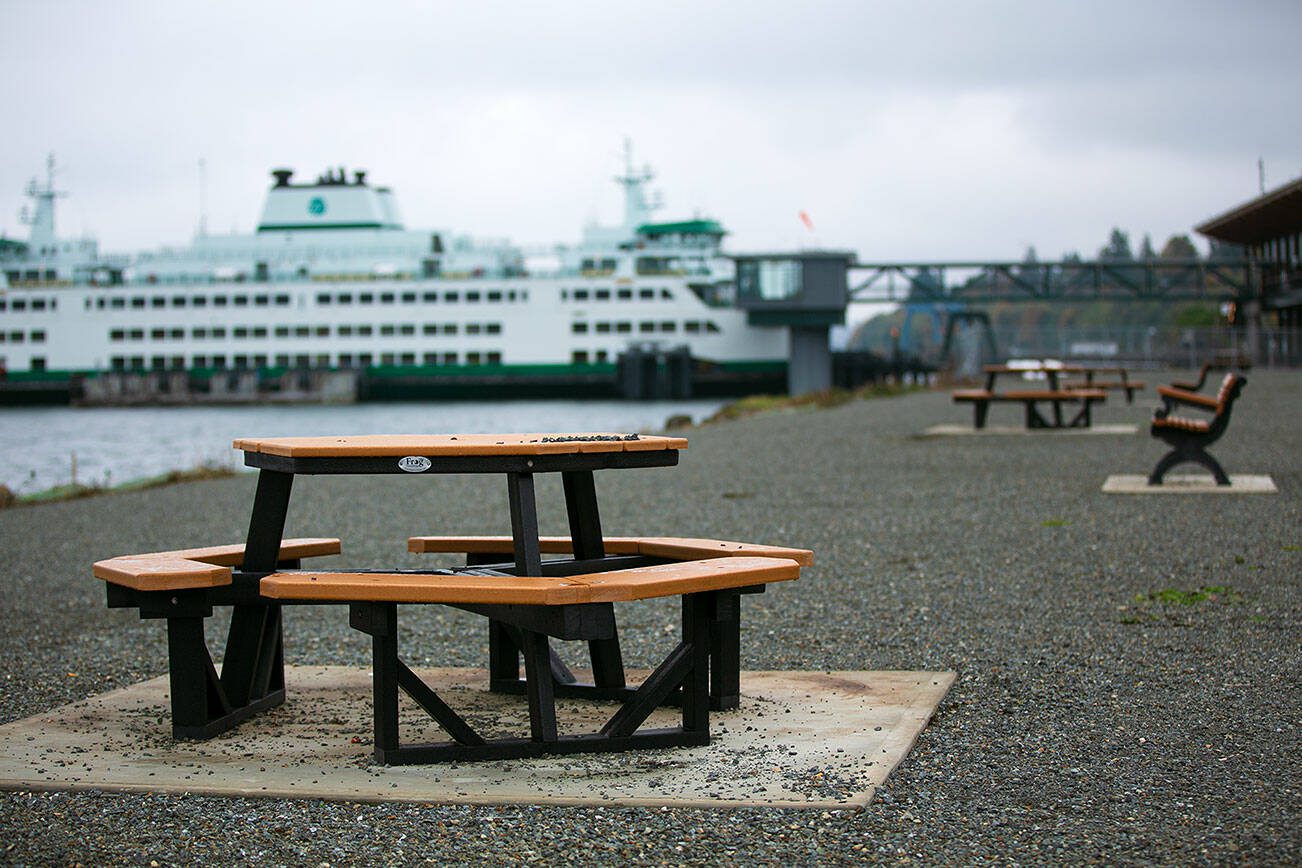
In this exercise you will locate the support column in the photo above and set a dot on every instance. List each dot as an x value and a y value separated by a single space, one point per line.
809 365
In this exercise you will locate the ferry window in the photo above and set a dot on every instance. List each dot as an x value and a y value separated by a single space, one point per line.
118 363
219 301
691 327
323 360
365 298
302 361
345 298
624 294
646 294
259 331
282 300
20 304
323 298
364 331
345 360
579 357
408 358
580 295
510 296
579 328
261 300
282 360
200 361
158 334
177 334
603 328
301 331
386 331
386 358
495 358
430 358
158 363
524 295
430 329
136 334
259 361
38 304
241 301
54 304
199 301
138 302
602 295
472 297
449 358
178 362
493 328
200 333
344 331
623 328
137 363
178 301
602 355
711 327
115 303
449 328
364 359
452 296
472 328
666 295
38 363
219 360
565 295
322 331
239 332
386 298
668 326
218 332
430 297
158 301
472 358
282 331
3 305
409 298
407 329
241 361
495 295
646 327
38 337
3 337
99 304
120 335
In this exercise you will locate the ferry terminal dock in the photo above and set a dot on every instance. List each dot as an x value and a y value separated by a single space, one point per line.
1093 719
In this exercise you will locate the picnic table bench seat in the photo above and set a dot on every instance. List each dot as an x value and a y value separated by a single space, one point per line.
534 608
677 548
1189 436
981 399
207 567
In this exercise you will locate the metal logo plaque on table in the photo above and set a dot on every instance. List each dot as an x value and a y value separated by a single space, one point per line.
414 463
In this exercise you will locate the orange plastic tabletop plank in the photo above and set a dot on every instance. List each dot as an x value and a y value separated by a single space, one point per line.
503 545
426 588
161 573
233 555
434 445
689 577
687 548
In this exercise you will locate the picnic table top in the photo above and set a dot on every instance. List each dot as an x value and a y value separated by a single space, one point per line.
1066 369
437 445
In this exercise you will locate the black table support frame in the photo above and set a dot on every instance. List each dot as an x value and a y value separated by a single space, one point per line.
685 672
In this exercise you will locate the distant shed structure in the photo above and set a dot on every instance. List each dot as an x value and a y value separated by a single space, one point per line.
1270 229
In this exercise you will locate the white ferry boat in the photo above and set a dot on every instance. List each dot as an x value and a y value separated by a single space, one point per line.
332 280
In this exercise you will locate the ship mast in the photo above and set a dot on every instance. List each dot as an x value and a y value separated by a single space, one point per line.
42 221
637 208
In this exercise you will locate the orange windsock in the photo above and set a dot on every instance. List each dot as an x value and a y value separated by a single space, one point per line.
804 218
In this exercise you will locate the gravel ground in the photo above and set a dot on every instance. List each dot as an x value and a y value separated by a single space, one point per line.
1094 719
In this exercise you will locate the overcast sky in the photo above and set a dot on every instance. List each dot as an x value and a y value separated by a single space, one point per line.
911 130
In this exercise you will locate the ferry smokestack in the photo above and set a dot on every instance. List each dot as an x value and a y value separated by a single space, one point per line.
360 177
282 176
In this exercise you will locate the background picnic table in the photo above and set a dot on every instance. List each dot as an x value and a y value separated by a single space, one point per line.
1104 709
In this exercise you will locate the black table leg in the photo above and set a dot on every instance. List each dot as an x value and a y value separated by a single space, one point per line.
585 533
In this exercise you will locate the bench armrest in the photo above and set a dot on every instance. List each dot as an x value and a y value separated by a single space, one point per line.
1193 399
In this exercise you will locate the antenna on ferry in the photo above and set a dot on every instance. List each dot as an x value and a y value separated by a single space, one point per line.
203 197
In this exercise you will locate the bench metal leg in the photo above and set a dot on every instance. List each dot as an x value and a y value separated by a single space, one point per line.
1180 455
725 651
981 409
685 671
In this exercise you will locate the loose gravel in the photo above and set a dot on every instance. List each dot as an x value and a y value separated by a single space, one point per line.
1128 667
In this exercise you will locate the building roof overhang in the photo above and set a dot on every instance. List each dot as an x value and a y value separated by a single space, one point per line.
1275 214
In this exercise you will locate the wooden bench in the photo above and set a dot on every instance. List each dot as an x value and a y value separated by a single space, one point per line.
535 608
1189 437
1125 384
1196 385
981 399
208 567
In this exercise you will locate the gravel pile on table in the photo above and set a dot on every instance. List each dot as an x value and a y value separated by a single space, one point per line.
1128 667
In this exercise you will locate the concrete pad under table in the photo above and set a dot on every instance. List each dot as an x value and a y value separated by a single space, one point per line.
1190 483
961 430
800 739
